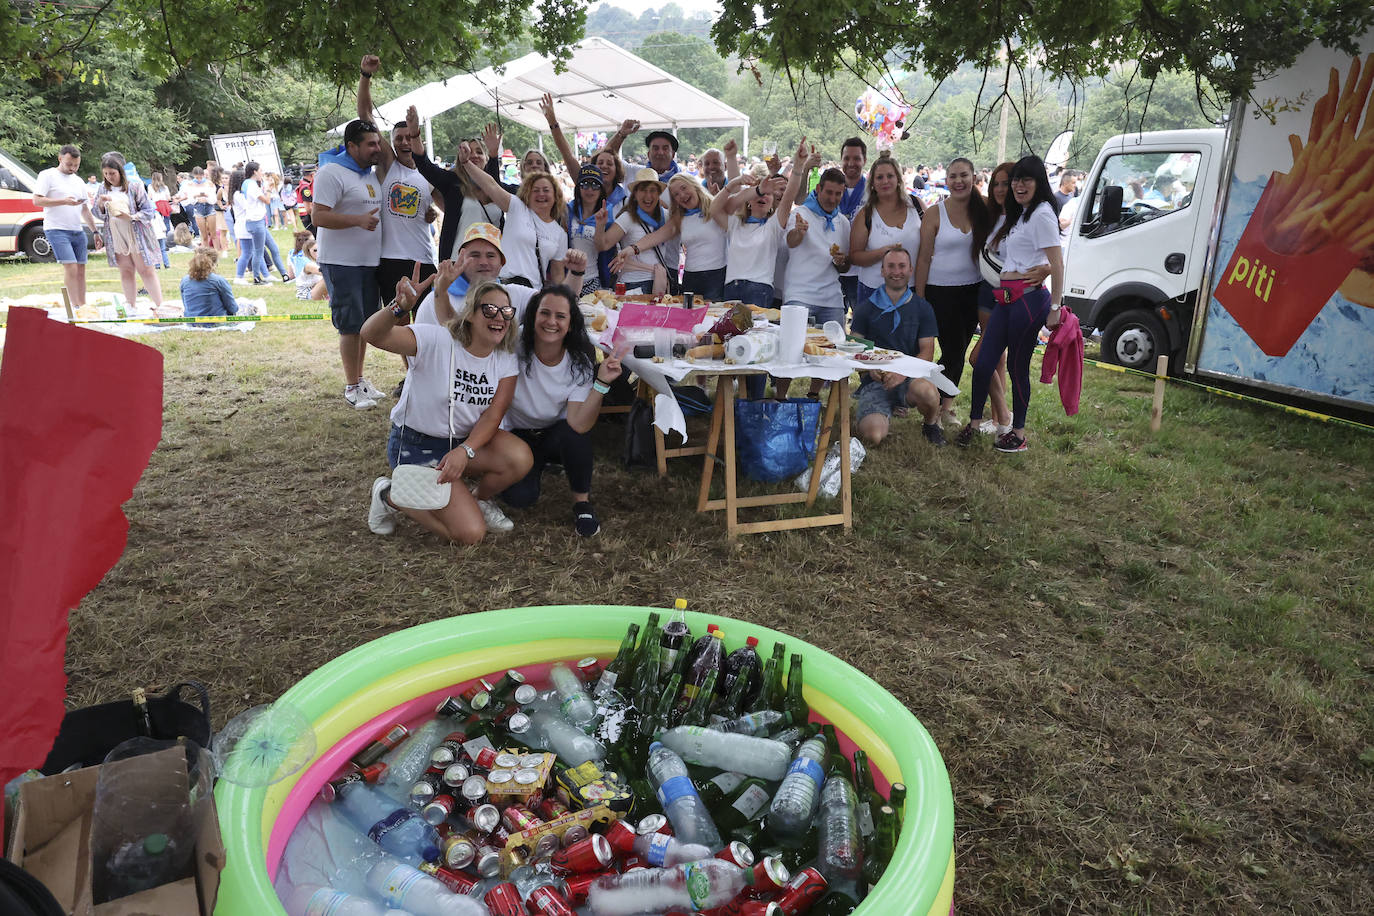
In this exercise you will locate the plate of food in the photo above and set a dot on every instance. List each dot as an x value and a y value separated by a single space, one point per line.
876 357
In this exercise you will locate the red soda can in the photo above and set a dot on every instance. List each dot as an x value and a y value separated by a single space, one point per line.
438 809
653 823
769 875
621 837
477 694
620 289
486 819
737 853
369 774
580 885
380 745
504 900
449 751
545 901
486 758
757 908
590 855
801 892
590 669
453 879
518 817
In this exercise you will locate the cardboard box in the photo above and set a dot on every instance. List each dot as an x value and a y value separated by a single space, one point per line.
52 841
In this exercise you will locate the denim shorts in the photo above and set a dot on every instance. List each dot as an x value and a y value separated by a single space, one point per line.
352 295
750 293
820 314
410 446
874 398
202 210
68 245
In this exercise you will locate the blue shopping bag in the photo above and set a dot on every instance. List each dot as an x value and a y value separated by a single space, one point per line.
775 440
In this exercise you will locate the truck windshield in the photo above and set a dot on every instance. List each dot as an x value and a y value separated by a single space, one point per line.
14 175
1153 185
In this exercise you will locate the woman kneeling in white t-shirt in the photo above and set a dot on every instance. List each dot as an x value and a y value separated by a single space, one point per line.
557 399
461 381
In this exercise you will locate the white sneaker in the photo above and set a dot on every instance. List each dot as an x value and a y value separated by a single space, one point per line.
496 519
1002 430
370 390
355 395
987 427
381 518
242 281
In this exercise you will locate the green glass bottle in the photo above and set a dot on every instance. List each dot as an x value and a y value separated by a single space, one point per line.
646 801
897 799
773 693
868 795
751 835
732 706
745 805
616 669
715 790
879 852
796 702
701 703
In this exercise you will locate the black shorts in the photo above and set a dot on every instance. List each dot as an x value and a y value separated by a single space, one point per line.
390 271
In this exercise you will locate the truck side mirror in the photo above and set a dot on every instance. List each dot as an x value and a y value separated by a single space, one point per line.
1112 195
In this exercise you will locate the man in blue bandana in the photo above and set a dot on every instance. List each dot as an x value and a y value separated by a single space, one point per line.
895 318
346 211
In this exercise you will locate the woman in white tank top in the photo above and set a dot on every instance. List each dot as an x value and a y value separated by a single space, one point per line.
888 219
946 273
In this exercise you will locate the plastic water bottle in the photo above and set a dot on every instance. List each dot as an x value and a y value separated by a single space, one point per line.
315 900
758 723
141 864
841 849
408 762
576 705
795 804
678 796
661 850
399 830
690 887
728 751
403 886
549 729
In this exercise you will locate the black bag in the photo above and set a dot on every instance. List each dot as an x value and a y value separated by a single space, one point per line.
639 436
21 894
88 735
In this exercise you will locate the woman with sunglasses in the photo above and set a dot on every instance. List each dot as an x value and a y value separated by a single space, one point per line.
557 399
1031 235
588 199
460 384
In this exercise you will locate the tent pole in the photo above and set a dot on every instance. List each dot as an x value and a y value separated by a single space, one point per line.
429 137
744 150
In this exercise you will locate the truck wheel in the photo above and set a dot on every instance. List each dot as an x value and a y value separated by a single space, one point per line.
35 245
1134 339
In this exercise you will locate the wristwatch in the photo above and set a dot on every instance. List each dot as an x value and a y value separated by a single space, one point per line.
472 453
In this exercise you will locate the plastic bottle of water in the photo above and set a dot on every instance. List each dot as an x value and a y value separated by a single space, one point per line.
550 730
661 850
758 723
576 705
403 886
795 804
691 887
399 830
737 753
408 762
841 849
314 900
678 796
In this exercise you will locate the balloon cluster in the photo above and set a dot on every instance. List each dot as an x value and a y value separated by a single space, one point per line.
590 140
882 116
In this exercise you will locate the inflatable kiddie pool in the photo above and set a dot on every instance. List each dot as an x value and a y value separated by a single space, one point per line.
403 676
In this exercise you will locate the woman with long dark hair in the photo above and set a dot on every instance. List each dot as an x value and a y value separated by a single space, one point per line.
558 396
947 270
250 223
126 214
1031 235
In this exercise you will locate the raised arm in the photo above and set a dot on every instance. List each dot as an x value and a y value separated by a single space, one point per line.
731 151
381 329
627 127
493 189
582 414
368 68
441 179
794 181
565 148
608 234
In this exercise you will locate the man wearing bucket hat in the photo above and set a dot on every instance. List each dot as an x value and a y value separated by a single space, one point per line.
642 214
479 258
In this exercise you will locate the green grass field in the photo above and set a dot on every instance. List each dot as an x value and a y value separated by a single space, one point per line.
1148 659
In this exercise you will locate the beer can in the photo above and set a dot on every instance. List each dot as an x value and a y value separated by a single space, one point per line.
485 818
770 875
457 851
380 745
477 694
621 837
578 886
590 669
455 775
504 900
485 758
438 809
654 823
474 791
546 901
593 854
454 880
801 892
737 853
525 694
506 687
487 862
507 761
518 724
526 776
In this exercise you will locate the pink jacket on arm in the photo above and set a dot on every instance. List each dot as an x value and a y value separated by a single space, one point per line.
1064 352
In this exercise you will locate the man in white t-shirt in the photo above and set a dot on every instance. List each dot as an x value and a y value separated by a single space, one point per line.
62 195
479 258
347 201
818 242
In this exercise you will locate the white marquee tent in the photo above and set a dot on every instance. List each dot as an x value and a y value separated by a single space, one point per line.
602 85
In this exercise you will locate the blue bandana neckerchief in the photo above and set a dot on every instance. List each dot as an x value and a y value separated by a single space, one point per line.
339 156
648 220
883 303
759 220
618 193
814 206
458 288
853 197
695 211
672 170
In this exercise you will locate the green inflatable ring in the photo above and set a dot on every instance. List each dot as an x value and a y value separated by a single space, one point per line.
349 691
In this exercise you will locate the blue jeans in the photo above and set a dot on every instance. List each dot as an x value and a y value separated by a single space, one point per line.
1013 328
750 293
707 284
274 252
253 248
162 243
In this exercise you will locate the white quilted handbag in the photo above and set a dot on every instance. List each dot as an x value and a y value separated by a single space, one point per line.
417 486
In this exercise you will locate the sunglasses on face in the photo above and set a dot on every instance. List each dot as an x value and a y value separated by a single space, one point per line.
491 310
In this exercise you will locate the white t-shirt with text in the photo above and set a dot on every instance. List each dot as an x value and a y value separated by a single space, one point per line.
406 201
441 365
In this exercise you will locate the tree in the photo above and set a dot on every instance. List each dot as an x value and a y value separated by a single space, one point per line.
1228 43
692 60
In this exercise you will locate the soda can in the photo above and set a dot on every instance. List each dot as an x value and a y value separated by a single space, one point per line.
438 809
531 761
525 694
550 808
506 686
371 774
377 749
454 880
654 823
500 837
487 862
545 847
770 875
477 694
620 289
485 818
737 853
507 761
457 851
474 791
578 886
455 775
756 908
592 854
422 793
621 837
801 892
485 759
590 669
688 299
504 900
518 724
518 818
546 901
526 776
